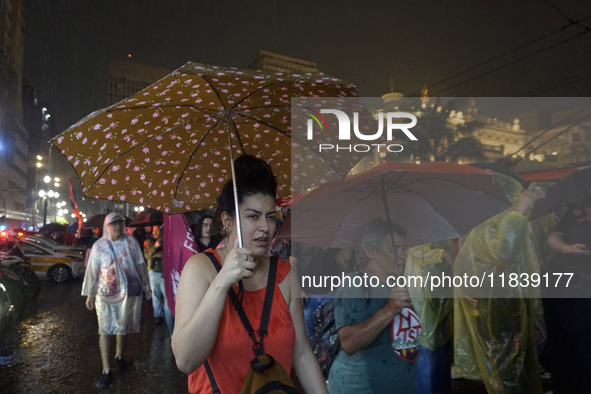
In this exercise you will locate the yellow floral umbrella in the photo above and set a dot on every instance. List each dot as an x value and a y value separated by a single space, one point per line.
170 146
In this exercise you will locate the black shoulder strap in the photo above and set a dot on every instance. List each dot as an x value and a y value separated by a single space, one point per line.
214 386
258 342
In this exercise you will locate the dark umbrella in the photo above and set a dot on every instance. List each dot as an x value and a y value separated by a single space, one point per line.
51 227
97 221
572 189
94 221
148 218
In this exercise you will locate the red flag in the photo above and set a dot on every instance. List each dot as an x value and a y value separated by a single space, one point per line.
73 198
75 208
179 247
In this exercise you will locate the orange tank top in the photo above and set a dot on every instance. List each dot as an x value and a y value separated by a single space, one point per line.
232 353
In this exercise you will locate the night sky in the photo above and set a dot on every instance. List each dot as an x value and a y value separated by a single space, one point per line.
538 47
69 43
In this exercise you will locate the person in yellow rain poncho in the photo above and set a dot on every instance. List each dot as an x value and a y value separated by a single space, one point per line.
495 338
435 312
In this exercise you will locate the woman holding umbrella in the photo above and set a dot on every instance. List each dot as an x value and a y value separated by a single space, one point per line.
208 328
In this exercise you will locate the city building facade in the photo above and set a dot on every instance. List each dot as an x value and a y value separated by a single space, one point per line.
566 142
14 136
126 78
274 62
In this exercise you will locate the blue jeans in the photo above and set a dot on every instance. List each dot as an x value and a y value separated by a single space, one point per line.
159 301
434 370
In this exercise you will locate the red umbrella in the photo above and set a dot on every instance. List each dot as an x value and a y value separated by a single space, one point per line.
550 175
432 201
148 218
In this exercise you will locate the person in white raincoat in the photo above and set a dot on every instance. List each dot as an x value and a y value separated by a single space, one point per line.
113 283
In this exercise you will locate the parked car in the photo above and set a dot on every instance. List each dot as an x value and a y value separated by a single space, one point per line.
69 250
55 265
17 270
7 309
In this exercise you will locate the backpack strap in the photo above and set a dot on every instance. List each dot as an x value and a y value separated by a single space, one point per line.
258 347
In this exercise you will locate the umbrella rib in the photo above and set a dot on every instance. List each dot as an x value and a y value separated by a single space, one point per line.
282 132
268 125
383 186
226 113
182 173
237 134
97 178
255 91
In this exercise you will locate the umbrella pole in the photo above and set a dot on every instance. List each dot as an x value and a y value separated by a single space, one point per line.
234 188
389 219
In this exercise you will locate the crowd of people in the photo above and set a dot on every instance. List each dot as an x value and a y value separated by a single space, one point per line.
390 339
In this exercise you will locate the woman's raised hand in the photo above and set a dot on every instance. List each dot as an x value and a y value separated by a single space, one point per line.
527 199
238 264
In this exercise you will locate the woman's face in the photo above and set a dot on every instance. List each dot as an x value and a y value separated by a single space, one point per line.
206 227
257 216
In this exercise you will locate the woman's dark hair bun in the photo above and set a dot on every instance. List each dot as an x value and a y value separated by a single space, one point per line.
251 169
253 176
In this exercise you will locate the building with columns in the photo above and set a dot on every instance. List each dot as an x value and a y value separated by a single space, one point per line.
566 142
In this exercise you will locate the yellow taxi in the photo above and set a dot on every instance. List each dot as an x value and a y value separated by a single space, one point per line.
54 265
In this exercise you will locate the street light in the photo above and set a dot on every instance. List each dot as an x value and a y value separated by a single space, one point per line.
46 196
38 165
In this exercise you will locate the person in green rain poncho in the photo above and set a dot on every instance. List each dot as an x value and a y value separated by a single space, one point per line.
435 311
495 338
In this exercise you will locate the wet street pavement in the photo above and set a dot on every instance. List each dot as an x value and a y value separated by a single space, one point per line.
54 349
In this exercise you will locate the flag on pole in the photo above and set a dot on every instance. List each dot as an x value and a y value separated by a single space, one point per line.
179 246
75 208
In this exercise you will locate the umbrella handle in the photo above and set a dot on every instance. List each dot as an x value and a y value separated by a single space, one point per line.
234 188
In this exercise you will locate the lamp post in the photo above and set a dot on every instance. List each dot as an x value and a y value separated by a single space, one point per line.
49 194
38 166
46 196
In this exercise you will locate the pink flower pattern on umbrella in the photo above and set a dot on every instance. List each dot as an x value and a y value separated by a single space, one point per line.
167 146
